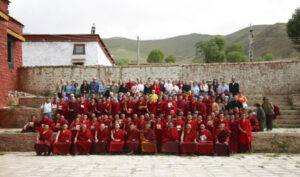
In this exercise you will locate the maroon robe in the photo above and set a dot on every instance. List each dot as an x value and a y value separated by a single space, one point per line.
139 107
148 141
254 124
83 146
221 137
206 144
170 141
47 121
117 146
132 140
72 114
115 108
63 144
182 106
201 107
234 136
245 139
44 144
151 105
188 145
103 137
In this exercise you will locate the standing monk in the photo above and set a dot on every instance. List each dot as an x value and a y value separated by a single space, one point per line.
222 140
245 134
83 141
44 141
148 139
206 143
117 139
101 139
63 141
170 139
132 139
188 142
234 136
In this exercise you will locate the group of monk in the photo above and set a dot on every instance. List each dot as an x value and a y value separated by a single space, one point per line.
154 122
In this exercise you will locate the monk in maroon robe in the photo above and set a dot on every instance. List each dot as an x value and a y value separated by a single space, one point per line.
72 110
101 139
44 141
117 139
206 144
141 106
245 134
63 141
222 140
115 107
59 122
170 139
201 107
253 121
181 105
188 143
132 139
83 141
62 107
169 106
148 139
31 126
45 121
234 136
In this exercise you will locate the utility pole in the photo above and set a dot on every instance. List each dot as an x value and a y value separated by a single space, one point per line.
138 50
251 48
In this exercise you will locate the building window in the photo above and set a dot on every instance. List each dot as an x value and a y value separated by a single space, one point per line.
79 63
79 49
10 52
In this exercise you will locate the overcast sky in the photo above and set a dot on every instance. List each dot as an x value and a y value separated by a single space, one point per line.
150 19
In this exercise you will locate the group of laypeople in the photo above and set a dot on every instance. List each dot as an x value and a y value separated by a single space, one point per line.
179 123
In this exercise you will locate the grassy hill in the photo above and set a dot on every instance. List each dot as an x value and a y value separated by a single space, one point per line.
268 39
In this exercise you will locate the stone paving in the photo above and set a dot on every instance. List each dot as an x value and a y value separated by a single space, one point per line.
240 165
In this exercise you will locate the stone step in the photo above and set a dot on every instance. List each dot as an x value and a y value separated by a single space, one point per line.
288 121
288 117
288 125
290 112
250 103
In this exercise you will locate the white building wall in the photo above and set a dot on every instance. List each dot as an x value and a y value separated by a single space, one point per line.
61 53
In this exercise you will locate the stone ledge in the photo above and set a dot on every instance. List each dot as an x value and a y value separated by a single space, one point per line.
266 142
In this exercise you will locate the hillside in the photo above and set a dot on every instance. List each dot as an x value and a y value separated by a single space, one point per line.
268 39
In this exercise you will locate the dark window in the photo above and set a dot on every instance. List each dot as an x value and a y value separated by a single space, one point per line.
10 52
79 49
78 63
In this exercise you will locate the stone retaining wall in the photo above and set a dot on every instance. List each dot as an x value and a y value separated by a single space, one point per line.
263 142
282 77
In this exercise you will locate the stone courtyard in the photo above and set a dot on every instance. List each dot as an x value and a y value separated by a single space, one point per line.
28 164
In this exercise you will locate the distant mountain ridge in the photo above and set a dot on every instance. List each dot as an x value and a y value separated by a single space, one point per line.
267 39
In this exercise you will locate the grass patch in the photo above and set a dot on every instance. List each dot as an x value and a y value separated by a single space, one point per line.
276 126
261 166
2 153
273 155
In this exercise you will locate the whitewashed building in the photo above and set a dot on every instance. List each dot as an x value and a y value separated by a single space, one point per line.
65 49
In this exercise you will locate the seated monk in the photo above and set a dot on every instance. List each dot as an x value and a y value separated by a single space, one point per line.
44 141
83 141
188 143
45 120
148 139
31 125
59 122
222 140
170 139
101 139
63 141
206 143
245 134
132 139
117 139
254 122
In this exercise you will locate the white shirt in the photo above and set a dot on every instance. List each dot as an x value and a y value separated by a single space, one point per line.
168 87
204 87
141 87
47 107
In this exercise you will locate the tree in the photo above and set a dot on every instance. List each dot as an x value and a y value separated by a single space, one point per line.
212 50
293 29
170 59
122 61
234 48
234 57
267 57
156 56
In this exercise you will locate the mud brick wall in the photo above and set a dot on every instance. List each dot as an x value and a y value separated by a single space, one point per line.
282 77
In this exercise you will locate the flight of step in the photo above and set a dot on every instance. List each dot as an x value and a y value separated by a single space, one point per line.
290 116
